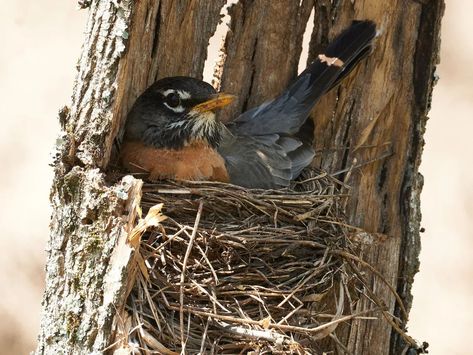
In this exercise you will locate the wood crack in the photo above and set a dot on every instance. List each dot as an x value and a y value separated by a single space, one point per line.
155 31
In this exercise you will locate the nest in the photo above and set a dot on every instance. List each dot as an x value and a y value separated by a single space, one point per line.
233 270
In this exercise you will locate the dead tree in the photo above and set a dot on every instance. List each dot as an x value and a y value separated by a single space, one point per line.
380 111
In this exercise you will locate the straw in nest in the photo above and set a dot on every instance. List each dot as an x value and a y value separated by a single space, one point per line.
231 270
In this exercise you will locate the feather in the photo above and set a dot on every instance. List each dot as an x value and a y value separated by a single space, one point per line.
265 146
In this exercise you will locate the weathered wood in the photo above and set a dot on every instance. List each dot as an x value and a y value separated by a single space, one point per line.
88 257
128 44
379 110
85 282
89 217
168 38
88 124
263 48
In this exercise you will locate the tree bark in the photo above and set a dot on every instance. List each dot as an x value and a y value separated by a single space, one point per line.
370 129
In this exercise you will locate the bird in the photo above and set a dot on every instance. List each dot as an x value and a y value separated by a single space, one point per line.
171 131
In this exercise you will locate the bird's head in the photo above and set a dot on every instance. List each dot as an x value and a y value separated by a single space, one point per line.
175 111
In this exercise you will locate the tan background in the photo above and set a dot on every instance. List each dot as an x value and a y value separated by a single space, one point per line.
39 46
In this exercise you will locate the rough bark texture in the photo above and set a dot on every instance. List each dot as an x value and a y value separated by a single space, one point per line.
82 286
381 109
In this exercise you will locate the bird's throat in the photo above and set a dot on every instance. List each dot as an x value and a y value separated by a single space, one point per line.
205 127
176 135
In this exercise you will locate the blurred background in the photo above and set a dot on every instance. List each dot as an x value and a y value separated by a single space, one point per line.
40 43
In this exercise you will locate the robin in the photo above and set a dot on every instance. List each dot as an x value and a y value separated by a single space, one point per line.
172 131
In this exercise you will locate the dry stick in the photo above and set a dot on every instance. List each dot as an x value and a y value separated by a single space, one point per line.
215 192
386 314
373 270
150 302
184 265
299 286
340 344
256 334
289 328
212 270
212 298
356 166
122 338
286 317
204 336
318 177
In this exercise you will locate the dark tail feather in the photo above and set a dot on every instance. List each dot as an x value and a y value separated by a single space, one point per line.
367 32
350 67
306 132
340 58
288 112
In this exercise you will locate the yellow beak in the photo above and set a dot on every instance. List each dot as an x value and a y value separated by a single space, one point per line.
217 101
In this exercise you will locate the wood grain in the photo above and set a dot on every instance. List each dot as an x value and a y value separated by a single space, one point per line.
381 108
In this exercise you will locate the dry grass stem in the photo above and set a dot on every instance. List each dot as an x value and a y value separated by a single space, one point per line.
232 270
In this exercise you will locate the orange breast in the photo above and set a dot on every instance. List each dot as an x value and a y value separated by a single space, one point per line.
195 161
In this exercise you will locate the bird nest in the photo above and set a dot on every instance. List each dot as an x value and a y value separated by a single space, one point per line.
230 270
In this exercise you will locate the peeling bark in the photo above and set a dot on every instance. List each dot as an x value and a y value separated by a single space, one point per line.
89 217
380 110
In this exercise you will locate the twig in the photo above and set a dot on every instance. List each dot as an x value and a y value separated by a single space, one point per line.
386 314
183 275
367 162
243 256
204 336
289 328
376 272
257 334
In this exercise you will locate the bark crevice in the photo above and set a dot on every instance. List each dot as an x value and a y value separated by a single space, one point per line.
129 44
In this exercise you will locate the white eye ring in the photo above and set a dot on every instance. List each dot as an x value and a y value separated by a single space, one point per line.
184 95
175 106
173 99
177 109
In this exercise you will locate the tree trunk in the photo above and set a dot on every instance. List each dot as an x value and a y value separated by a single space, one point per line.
369 130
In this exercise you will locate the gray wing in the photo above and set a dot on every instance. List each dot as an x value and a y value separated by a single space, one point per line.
259 150
269 161
287 112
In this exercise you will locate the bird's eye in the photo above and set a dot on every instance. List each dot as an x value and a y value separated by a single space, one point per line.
173 99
